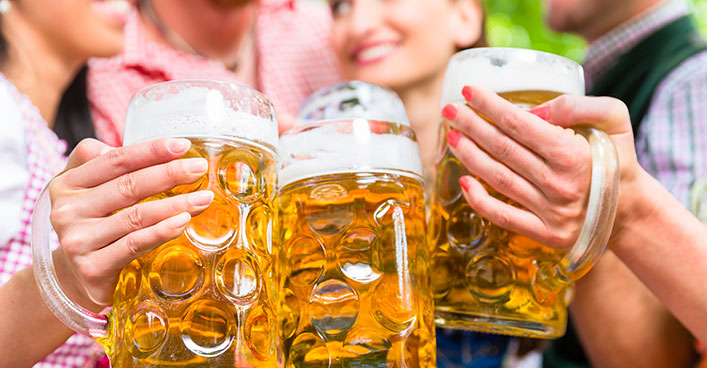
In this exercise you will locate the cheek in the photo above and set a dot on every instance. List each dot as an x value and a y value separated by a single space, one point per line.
339 43
99 38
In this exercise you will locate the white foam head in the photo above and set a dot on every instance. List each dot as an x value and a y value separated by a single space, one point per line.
352 100
347 146
507 69
200 108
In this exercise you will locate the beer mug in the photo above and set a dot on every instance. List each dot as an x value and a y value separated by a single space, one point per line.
491 279
352 262
205 299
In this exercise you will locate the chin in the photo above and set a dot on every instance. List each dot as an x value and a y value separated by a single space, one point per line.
380 76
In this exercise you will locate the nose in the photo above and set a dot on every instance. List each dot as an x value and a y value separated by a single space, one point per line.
365 15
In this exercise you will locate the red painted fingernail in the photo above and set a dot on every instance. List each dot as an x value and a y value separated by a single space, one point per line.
466 92
542 111
465 182
450 111
453 138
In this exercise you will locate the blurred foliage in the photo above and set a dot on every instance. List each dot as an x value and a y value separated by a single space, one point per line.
519 23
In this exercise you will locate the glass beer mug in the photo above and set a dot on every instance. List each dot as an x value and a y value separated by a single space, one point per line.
491 279
352 262
205 299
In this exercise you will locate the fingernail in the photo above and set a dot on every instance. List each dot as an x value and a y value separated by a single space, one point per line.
106 149
542 111
466 92
450 112
178 145
180 220
201 198
453 138
465 182
196 165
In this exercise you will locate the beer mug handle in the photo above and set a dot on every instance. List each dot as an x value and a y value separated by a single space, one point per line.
601 207
66 310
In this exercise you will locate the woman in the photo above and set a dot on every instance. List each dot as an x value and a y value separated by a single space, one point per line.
405 45
42 46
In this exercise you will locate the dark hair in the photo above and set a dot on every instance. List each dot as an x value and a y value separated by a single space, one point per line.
73 117
3 45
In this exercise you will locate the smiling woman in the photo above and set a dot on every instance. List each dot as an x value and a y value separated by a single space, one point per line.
405 45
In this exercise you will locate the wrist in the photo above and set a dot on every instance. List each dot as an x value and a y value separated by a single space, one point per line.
636 204
70 284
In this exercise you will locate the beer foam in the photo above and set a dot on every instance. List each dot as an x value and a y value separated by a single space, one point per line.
352 100
200 111
326 151
507 69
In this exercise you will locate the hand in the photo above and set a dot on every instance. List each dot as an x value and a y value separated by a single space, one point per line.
285 122
97 239
544 167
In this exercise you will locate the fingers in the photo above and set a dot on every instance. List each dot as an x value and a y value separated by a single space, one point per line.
141 216
111 260
133 187
525 128
606 113
496 143
119 161
501 214
496 174
85 151
285 121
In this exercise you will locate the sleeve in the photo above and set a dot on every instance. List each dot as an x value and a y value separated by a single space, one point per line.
13 162
671 143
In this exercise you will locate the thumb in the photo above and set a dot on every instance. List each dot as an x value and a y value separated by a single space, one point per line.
606 113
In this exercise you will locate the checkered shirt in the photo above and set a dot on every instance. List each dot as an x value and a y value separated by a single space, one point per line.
294 58
671 142
44 152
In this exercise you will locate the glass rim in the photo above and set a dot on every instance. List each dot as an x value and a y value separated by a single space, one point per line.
507 69
327 147
200 108
194 81
308 125
515 50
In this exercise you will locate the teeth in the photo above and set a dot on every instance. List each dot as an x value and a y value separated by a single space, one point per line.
376 52
119 7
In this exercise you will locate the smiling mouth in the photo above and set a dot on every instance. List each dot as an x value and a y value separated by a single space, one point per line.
116 9
374 53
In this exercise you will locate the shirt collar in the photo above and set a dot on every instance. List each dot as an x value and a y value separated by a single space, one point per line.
140 52
603 53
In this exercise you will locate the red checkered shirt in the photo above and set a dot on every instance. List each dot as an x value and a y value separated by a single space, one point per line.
31 152
294 58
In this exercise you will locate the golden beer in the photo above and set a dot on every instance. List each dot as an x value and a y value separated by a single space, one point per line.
206 298
352 262
488 278
501 269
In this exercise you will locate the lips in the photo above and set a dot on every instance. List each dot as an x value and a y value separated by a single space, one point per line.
115 9
373 52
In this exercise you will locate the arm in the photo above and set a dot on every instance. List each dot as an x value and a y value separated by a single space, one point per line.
97 240
531 170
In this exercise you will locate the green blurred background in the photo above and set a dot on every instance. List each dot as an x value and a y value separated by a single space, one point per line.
519 23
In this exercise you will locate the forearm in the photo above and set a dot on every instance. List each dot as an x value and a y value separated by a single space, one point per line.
622 324
30 330
666 247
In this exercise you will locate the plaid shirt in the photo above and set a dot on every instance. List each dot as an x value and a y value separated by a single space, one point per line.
671 142
43 158
294 58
